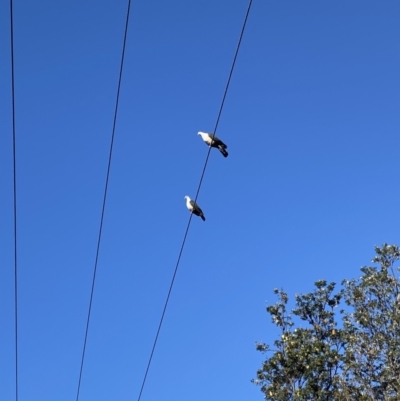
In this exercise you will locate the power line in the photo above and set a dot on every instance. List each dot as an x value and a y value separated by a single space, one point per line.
197 193
105 196
15 197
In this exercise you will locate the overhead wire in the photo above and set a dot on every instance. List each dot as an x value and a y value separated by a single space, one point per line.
14 197
197 193
104 197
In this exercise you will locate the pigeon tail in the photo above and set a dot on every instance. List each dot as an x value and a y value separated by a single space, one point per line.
223 151
202 217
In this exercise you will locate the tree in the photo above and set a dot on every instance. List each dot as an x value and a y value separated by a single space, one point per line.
324 353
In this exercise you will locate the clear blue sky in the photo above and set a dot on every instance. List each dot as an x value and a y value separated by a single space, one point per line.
311 183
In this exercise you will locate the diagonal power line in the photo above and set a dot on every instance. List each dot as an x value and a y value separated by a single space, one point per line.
197 193
14 196
105 196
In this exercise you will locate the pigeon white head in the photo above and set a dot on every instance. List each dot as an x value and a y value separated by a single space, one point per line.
186 197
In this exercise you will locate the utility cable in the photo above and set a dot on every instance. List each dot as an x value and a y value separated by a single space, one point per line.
197 193
104 197
15 197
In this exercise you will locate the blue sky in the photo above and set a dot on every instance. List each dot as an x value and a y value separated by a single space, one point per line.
309 187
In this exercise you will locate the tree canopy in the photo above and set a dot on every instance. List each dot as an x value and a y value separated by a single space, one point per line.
338 344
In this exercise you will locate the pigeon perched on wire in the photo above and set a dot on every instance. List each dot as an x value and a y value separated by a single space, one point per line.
214 142
194 208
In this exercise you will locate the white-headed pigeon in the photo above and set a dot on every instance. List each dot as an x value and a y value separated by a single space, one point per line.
194 208
214 142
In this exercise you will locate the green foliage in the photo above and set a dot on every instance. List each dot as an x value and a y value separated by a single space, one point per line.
348 354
